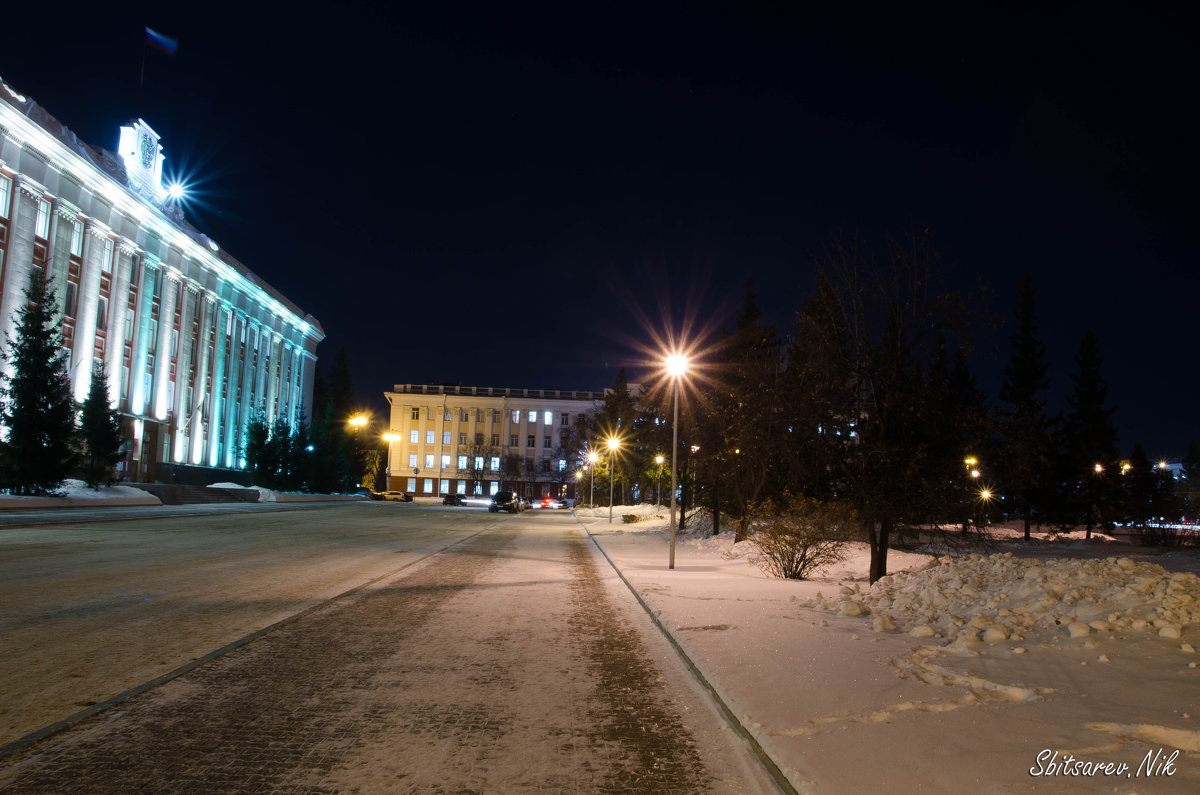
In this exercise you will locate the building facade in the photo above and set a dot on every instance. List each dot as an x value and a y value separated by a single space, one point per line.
190 339
479 440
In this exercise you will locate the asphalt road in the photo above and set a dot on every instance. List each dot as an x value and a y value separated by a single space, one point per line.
473 653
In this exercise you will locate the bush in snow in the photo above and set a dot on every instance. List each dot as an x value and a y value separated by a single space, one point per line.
795 536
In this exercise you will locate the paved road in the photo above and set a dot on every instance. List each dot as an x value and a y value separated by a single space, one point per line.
512 661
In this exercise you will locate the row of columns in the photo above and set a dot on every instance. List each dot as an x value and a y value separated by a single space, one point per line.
278 376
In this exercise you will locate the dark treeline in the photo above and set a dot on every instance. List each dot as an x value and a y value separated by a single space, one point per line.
867 401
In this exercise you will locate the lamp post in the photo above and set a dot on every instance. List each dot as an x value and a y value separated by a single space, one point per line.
612 472
578 480
676 367
389 437
592 458
658 459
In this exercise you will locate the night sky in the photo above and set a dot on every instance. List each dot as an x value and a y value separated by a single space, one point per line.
510 194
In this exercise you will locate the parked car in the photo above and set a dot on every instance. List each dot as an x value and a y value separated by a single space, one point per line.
453 499
395 496
505 501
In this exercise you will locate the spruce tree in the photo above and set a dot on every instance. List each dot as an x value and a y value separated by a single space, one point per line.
37 409
100 428
1091 442
1025 429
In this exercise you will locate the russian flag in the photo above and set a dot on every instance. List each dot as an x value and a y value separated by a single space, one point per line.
160 42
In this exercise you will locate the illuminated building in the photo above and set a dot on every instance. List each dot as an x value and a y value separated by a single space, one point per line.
477 440
190 339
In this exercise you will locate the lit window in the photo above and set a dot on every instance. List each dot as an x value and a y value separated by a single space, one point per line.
412 459
414 436
533 417
77 239
562 465
548 418
42 226
430 437
412 484
516 415
445 437
447 415
494 487
462 487
479 488
462 462
444 486
445 462
495 467
429 460
479 462
429 485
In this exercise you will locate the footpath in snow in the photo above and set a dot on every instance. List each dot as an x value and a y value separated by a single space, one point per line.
1014 671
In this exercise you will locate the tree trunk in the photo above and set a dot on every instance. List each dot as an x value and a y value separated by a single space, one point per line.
716 507
879 549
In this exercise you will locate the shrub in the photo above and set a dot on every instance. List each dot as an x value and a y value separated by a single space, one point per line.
795 536
630 518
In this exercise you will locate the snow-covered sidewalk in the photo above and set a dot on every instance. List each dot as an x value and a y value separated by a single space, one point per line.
996 673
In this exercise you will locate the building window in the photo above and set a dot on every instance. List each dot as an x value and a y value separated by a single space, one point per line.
528 464
513 440
430 437
412 460
546 442
106 264
464 416
462 462
445 462
462 487
72 296
414 436
77 239
546 465
493 488
562 465
444 487
479 462
495 440
479 439
429 460
102 313
446 437
532 440
42 228
412 484
495 415
478 488
447 415
495 463
5 195
416 413
548 417
533 417
516 416
462 438
429 485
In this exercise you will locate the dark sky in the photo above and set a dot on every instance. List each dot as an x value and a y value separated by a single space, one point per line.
515 194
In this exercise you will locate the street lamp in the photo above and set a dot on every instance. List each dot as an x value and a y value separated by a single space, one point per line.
676 368
592 458
578 480
658 459
613 443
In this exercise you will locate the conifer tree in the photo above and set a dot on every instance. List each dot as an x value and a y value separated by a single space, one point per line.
100 428
1024 427
1091 442
37 410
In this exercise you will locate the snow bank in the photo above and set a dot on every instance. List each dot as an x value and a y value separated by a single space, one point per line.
977 599
264 495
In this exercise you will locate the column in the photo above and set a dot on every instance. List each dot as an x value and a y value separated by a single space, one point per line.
247 401
233 372
260 376
141 337
85 318
216 411
273 375
118 307
20 258
162 352
182 363
203 351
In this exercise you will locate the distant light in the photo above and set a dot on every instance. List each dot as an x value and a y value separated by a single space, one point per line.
658 459
310 448
1099 468
677 364
175 191
1162 464
985 495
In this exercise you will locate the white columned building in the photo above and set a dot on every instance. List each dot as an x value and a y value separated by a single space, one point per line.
191 340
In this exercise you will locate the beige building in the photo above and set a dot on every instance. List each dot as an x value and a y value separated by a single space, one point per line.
478 440
190 339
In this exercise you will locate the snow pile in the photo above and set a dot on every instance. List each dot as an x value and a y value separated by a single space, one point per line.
979 598
264 495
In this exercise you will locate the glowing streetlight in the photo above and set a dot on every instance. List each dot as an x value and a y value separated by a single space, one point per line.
175 191
1099 469
358 420
613 444
676 364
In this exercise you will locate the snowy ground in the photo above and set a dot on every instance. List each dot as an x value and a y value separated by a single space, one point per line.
1022 670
